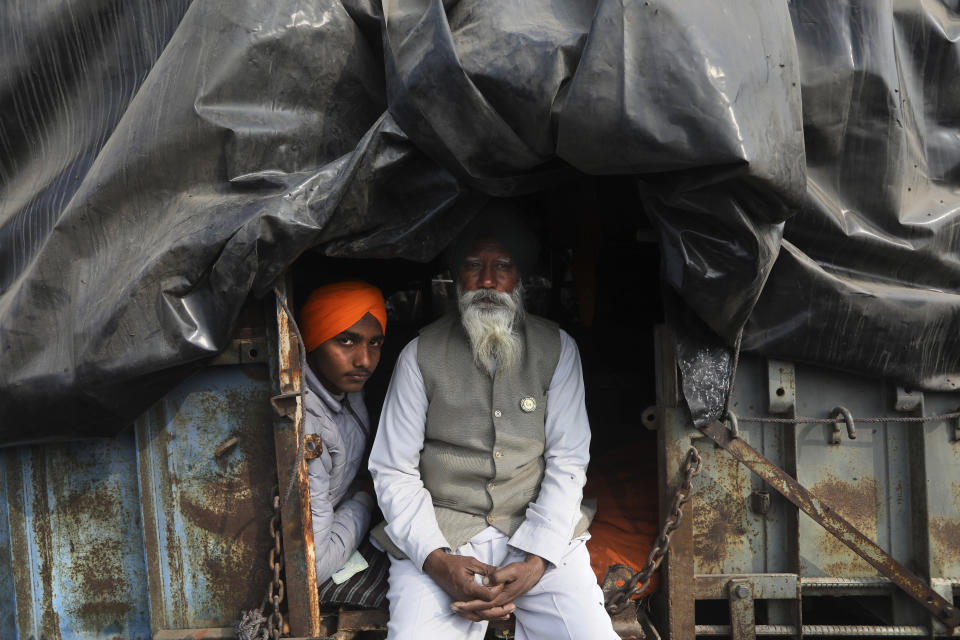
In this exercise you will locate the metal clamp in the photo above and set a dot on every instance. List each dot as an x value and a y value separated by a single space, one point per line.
842 414
731 420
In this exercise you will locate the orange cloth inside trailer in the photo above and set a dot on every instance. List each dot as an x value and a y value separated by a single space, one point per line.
624 482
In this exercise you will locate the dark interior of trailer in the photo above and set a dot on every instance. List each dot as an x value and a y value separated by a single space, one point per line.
598 278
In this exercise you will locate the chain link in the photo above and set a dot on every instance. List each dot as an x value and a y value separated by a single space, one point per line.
619 598
275 591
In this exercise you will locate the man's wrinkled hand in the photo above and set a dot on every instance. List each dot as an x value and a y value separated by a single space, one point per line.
455 575
515 579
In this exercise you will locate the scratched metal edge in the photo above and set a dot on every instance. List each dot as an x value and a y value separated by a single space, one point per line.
164 570
298 549
19 539
8 594
38 509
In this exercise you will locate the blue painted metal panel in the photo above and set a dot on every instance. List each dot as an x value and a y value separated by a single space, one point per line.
8 616
151 530
206 515
75 540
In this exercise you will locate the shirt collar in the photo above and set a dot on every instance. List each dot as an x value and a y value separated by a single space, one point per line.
333 402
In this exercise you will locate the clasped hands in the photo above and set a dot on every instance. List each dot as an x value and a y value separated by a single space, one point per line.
501 585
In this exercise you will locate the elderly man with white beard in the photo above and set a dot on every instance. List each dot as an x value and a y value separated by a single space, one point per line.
480 460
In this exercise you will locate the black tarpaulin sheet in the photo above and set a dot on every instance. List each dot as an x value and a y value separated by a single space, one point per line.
161 161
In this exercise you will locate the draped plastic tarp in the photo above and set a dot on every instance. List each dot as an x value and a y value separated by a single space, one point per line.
161 161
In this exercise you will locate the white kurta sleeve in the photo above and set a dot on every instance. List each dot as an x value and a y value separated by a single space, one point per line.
551 518
395 463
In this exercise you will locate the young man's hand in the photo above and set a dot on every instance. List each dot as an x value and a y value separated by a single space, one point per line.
515 579
455 575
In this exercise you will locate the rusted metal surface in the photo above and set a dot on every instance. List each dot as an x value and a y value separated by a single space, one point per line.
674 602
627 626
835 524
676 574
867 480
942 491
74 541
772 586
204 514
7 590
314 446
734 522
362 620
742 617
214 633
299 555
819 630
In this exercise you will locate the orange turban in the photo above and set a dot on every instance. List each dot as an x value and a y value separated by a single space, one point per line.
335 308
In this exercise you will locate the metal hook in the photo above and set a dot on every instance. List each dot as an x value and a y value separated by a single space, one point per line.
842 413
734 424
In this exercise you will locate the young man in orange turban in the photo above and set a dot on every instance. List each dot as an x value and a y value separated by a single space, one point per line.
343 327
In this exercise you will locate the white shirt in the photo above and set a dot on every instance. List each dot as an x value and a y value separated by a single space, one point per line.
341 515
406 504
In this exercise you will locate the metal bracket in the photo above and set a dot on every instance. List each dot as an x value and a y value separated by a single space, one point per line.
285 404
760 502
830 520
740 598
782 386
908 401
248 350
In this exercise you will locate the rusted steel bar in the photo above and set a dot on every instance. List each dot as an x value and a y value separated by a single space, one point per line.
765 586
676 573
834 523
298 551
742 617
834 630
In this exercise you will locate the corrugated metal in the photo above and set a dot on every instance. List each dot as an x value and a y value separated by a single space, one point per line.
205 516
75 541
147 531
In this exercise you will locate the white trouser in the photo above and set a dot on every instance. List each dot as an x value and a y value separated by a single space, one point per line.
566 604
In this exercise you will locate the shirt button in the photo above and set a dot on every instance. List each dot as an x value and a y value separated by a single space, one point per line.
490 486
497 413
490 518
498 454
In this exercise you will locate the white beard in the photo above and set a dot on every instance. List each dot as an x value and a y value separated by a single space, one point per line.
490 319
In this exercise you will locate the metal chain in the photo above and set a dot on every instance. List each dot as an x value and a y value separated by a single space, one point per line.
619 598
275 591
252 625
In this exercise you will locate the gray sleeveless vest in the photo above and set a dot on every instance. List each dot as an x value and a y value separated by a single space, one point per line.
482 459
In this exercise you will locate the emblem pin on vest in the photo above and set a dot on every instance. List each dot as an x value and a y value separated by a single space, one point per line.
528 404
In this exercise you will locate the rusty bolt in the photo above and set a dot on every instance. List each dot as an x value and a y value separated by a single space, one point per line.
741 591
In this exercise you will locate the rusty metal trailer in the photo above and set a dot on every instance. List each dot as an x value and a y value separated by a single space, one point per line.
892 472
162 532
